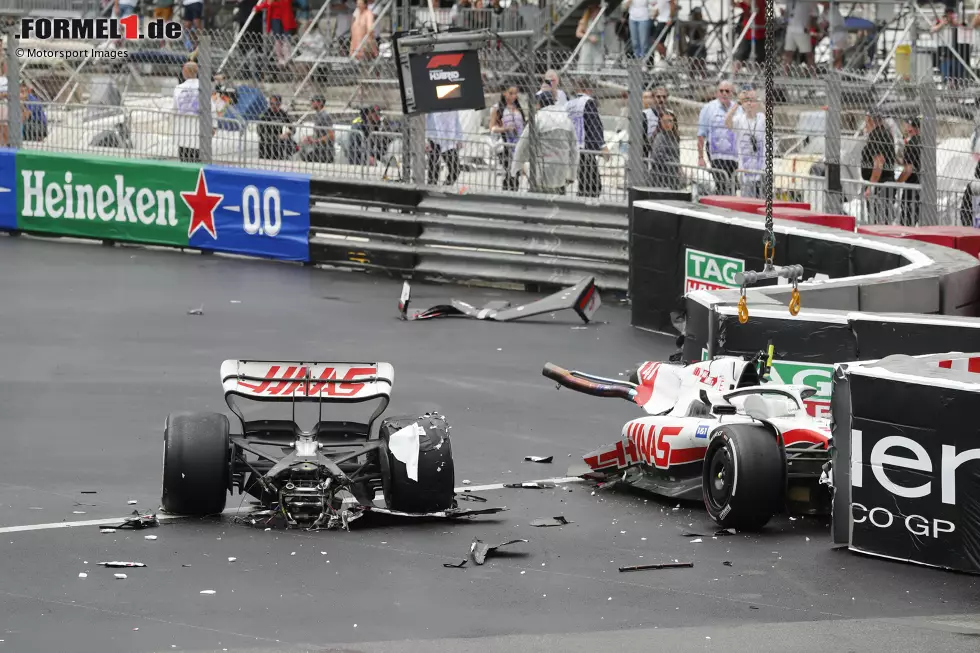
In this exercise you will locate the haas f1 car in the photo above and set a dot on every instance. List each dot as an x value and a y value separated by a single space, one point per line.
320 477
715 430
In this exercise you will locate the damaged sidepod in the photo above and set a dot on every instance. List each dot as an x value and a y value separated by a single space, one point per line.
323 476
582 298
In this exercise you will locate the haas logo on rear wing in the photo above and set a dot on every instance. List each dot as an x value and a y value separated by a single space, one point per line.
288 380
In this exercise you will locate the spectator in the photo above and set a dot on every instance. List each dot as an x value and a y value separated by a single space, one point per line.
589 139
362 41
717 142
444 140
188 122
696 36
274 141
797 33
592 55
4 131
507 120
834 23
125 8
280 22
192 13
551 83
301 12
557 151
163 9
319 148
365 147
343 11
877 163
665 155
35 119
251 41
639 13
666 11
970 205
911 164
459 14
753 46
749 124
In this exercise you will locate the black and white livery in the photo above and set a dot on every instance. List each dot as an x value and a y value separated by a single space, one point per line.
323 476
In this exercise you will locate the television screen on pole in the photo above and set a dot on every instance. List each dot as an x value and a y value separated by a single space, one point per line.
447 79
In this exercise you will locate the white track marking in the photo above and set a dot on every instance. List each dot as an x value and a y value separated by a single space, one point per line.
232 511
500 486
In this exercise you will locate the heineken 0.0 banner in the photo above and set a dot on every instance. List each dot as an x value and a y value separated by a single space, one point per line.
256 213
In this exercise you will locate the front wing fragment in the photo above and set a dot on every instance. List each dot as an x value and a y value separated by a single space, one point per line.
583 298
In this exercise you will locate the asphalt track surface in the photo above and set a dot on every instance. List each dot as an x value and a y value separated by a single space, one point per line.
96 347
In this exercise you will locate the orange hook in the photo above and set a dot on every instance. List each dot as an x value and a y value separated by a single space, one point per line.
743 310
794 302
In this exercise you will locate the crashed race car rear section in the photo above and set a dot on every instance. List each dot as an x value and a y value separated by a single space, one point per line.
320 477
716 431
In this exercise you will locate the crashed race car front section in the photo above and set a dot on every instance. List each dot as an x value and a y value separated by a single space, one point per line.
715 430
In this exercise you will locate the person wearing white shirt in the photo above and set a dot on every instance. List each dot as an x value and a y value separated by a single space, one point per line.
834 22
639 18
747 120
551 83
188 123
797 38
666 11
718 140
444 138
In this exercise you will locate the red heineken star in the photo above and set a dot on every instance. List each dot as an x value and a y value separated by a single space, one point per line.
202 205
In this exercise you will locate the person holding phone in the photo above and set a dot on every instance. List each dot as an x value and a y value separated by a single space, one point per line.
745 118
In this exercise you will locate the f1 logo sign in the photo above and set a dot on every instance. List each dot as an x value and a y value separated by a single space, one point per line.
447 60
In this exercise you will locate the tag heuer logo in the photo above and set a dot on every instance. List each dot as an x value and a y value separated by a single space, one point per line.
706 271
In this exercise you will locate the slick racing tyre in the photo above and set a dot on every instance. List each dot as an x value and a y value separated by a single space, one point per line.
434 490
744 477
196 463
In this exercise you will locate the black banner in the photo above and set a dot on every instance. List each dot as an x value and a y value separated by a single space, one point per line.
915 473
880 336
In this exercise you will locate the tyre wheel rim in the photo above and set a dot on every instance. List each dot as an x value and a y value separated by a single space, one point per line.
720 478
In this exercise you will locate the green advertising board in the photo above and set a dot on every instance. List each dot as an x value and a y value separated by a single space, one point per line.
707 271
110 199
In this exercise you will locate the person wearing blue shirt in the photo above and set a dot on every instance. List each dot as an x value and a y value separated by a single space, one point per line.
35 119
718 141
444 138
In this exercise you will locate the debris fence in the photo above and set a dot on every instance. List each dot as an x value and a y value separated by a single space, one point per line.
325 106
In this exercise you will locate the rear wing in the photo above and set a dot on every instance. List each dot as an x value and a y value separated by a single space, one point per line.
307 381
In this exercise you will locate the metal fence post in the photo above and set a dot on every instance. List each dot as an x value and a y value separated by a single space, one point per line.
532 127
416 150
635 164
206 80
15 129
832 145
928 198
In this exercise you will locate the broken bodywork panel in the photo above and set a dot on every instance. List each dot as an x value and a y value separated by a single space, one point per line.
583 298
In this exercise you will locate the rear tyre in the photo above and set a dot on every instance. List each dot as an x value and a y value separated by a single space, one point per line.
744 477
196 463
434 490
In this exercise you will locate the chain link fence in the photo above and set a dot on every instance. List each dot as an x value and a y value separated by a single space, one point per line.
325 101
